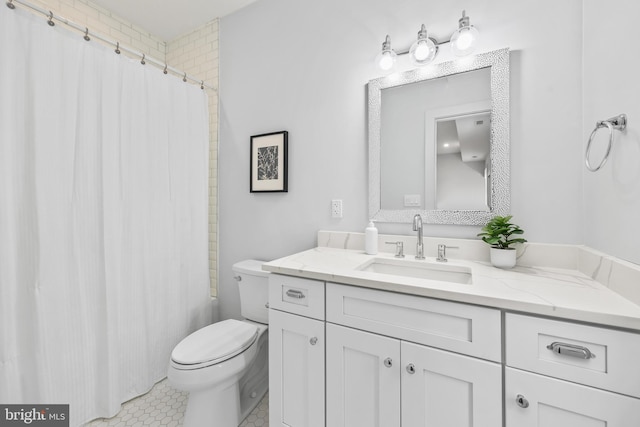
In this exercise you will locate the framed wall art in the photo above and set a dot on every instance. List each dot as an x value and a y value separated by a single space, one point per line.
268 164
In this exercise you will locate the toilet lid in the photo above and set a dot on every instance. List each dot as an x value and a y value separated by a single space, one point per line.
215 343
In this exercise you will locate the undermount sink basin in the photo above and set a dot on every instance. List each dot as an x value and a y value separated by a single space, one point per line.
418 270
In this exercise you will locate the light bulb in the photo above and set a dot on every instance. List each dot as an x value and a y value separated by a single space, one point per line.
386 61
423 50
387 58
465 40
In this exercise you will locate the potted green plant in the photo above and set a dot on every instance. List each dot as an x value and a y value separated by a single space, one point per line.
497 233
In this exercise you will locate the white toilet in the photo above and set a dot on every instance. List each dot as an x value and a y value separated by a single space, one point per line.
224 366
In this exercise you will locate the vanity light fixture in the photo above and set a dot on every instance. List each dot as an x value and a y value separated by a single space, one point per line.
424 50
465 40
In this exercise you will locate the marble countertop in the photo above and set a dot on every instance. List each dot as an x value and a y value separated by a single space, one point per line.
556 292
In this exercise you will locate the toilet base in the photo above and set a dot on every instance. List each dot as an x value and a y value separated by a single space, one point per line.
229 406
213 407
255 383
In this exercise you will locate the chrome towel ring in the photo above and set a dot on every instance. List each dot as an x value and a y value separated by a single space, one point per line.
618 123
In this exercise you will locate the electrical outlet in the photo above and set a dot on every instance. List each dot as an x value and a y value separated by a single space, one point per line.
336 208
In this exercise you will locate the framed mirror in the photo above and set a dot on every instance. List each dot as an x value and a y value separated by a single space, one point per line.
439 142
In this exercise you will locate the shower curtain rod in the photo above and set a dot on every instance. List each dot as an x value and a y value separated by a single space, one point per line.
143 58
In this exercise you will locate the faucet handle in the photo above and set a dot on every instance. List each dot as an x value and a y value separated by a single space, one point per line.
442 252
399 248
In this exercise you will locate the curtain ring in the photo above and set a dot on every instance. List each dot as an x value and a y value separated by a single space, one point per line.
117 48
50 21
86 34
202 84
184 78
142 60
10 4
165 69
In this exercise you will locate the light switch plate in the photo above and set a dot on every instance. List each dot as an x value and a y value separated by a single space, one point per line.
412 200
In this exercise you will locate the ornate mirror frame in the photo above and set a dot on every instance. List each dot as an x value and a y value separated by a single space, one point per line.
498 61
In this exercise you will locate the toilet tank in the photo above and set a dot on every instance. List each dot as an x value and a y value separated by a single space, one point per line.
253 283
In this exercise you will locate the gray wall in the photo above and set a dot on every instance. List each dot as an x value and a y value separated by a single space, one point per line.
303 66
612 195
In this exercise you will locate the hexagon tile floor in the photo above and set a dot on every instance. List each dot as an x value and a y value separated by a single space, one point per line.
164 406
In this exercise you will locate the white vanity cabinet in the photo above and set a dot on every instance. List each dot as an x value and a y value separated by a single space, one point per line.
572 375
296 352
387 381
349 356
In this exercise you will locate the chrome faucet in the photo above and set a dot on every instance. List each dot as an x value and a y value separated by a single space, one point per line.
417 226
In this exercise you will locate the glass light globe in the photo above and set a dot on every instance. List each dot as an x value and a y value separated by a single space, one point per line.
386 59
465 40
422 52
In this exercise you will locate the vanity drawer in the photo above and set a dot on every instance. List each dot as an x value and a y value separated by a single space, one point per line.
297 295
462 328
590 355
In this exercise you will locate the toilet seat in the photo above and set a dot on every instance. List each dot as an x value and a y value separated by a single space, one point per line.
213 344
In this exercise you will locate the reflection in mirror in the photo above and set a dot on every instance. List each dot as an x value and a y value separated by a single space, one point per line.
413 117
438 142
462 162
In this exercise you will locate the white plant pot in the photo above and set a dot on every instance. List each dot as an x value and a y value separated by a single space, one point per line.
503 258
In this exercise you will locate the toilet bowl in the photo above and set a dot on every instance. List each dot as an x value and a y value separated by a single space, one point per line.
224 366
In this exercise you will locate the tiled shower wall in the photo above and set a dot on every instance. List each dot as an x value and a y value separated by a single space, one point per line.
195 53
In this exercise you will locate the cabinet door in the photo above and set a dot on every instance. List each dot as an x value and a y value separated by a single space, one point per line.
296 370
441 388
533 400
363 385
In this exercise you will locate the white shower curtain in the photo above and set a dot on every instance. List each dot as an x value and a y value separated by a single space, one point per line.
103 219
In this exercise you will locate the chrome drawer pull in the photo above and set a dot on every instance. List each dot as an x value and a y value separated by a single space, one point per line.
565 349
388 362
293 293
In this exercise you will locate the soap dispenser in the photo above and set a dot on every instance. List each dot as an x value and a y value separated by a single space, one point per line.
371 239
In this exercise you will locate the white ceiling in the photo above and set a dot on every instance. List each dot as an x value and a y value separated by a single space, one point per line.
168 19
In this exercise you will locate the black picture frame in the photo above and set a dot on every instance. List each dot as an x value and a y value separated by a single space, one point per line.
268 163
